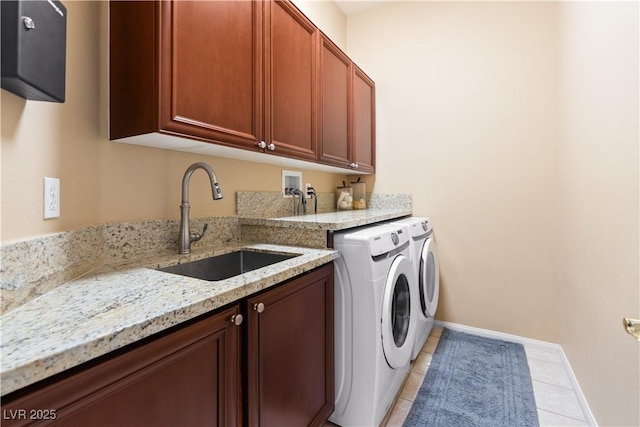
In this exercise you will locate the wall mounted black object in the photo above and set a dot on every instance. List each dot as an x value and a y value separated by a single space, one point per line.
34 45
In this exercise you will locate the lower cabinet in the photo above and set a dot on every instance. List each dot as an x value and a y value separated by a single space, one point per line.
194 375
189 377
290 380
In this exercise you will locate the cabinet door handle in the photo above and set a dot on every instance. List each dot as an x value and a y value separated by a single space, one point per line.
28 23
237 319
259 307
262 145
272 147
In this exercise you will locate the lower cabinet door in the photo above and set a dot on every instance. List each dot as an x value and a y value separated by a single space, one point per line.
189 377
290 352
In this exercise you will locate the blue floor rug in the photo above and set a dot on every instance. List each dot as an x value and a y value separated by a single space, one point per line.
475 381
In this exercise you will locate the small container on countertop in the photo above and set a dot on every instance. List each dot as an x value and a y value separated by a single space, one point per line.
344 197
359 195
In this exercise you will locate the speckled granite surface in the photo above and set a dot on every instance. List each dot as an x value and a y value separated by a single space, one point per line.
120 304
271 204
127 240
50 326
329 221
308 238
268 204
390 201
311 230
33 267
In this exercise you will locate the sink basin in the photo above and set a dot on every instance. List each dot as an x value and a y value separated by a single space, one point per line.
224 266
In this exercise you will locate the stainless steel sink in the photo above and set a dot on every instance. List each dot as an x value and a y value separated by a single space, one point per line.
224 266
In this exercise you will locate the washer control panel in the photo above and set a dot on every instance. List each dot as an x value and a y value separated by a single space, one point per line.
420 228
387 241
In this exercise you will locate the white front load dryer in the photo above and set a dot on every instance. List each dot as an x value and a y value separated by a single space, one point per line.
424 257
374 322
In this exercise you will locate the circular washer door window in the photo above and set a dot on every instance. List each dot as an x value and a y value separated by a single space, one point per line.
398 323
429 278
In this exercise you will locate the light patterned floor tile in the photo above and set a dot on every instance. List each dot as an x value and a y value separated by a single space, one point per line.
422 362
548 355
411 386
556 399
399 413
431 344
436 331
549 372
549 419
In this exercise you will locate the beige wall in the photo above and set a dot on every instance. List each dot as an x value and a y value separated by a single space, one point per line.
520 121
466 116
328 17
103 181
599 191
468 122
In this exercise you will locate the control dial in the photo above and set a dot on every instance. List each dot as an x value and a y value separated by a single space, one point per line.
395 239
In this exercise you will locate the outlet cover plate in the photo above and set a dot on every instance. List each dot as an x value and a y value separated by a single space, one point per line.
51 198
291 179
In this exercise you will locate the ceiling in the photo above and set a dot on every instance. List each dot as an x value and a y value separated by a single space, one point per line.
354 7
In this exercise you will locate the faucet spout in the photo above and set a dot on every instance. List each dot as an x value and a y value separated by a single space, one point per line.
186 237
215 188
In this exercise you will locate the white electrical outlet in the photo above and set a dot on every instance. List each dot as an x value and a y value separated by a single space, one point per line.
51 198
307 186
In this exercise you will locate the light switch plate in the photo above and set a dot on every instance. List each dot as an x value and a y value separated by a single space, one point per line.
51 198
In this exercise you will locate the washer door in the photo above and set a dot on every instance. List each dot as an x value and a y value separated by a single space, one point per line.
398 323
429 278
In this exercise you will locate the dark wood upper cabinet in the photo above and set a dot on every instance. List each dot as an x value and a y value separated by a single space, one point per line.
346 112
255 75
210 61
363 115
335 98
188 68
291 81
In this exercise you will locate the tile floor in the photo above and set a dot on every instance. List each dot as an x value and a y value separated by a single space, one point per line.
555 398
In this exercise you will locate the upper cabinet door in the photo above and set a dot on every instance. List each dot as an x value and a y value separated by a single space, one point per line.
210 55
364 121
335 111
290 76
256 75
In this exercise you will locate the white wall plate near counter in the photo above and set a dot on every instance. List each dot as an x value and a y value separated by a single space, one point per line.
51 197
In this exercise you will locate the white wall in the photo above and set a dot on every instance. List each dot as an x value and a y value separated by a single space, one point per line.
466 122
599 194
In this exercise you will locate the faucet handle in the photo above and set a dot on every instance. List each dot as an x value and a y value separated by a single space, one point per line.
196 237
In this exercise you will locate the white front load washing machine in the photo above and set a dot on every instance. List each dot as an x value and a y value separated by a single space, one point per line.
374 322
424 257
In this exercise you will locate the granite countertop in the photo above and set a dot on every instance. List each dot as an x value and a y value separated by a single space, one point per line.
339 220
116 305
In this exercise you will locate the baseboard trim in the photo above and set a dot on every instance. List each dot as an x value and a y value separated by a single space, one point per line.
582 400
529 342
